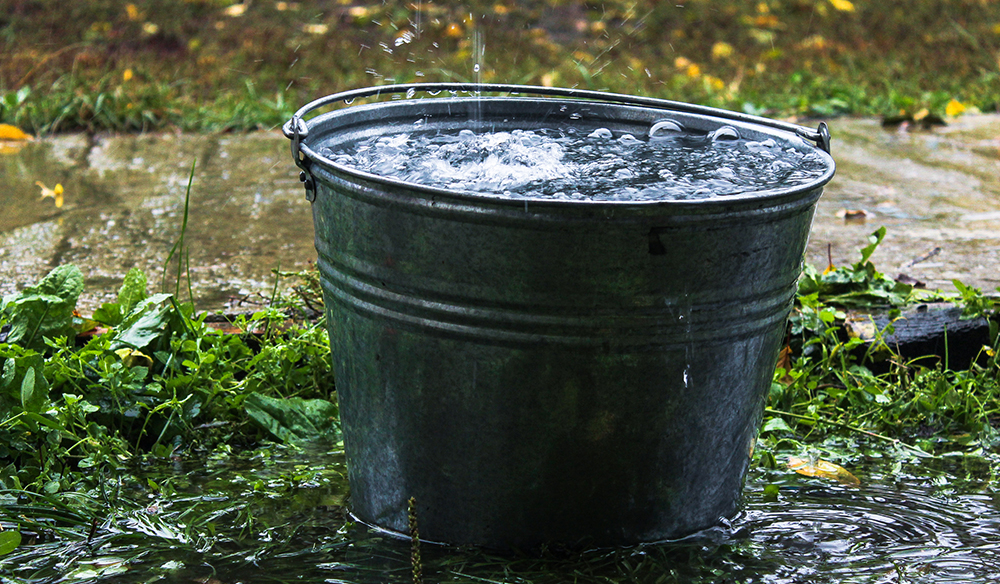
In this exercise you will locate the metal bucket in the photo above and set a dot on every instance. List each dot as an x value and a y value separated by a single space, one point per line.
540 371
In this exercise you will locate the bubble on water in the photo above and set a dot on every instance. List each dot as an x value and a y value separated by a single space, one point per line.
466 135
629 140
601 134
624 173
665 129
725 134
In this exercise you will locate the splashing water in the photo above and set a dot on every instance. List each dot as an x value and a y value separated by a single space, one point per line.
668 163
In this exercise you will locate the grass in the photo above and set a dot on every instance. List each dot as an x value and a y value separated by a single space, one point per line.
97 430
215 65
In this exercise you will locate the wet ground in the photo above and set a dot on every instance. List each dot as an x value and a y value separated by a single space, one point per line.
912 520
937 191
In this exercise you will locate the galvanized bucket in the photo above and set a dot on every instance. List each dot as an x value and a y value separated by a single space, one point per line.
537 372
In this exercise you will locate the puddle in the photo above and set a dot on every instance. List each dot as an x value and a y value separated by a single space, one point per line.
281 520
124 200
933 190
124 206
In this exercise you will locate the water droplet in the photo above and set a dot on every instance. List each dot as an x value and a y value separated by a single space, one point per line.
601 134
434 92
349 101
410 93
404 38
725 133
665 129
476 67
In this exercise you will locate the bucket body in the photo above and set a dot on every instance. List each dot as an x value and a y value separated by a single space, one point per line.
537 372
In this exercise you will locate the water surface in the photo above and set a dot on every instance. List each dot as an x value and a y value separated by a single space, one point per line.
281 518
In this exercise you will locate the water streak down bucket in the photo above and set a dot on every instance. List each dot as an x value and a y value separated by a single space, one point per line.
540 371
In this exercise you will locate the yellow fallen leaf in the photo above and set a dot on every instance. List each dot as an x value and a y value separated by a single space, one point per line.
722 50
923 113
842 5
132 358
13 133
954 108
823 469
235 10
56 193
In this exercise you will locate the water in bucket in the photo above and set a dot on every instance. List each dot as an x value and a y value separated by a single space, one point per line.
668 163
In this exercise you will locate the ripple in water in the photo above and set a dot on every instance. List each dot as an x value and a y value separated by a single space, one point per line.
667 164
882 532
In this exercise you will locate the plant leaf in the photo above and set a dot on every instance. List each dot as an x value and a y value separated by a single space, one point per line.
13 133
140 330
293 419
133 290
823 469
46 309
775 424
34 391
873 240
9 540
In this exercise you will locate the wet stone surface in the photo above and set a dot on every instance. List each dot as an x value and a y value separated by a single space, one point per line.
937 192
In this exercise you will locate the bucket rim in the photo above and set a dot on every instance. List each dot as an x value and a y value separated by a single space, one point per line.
297 129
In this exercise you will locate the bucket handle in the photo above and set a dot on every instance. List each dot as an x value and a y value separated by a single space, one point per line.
296 129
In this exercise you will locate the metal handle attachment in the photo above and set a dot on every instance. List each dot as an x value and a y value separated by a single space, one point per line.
297 130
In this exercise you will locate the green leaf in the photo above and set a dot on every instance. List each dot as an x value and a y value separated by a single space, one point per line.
133 290
34 392
110 313
9 540
873 241
775 424
293 419
46 309
148 327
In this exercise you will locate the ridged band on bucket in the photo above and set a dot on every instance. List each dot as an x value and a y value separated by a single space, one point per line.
546 371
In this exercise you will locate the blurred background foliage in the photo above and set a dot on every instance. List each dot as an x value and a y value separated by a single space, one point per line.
218 65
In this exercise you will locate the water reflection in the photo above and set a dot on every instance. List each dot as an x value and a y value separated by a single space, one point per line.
279 518
124 205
